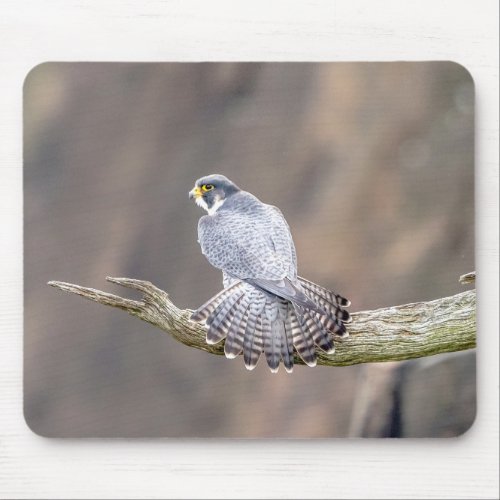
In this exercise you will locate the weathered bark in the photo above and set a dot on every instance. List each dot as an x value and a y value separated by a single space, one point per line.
390 334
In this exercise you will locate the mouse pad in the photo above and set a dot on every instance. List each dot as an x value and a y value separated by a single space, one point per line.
164 177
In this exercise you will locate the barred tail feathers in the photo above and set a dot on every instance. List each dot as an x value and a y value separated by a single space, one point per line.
220 322
272 331
253 341
286 336
235 337
253 321
333 304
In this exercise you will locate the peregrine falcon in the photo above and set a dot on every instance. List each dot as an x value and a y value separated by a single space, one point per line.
264 306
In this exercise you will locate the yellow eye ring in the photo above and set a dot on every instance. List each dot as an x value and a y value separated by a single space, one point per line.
207 187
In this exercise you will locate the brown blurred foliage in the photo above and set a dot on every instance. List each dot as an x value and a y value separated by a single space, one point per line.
372 165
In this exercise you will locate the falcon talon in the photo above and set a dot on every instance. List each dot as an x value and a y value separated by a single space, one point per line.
264 306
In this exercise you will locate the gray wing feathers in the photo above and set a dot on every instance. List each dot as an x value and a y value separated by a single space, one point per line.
248 240
282 241
287 290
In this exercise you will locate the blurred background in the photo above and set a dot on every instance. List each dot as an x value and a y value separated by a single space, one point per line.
372 164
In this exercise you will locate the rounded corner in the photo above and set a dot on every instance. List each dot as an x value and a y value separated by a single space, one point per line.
466 432
463 69
32 428
33 71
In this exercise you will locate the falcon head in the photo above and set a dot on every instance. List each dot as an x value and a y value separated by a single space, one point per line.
210 192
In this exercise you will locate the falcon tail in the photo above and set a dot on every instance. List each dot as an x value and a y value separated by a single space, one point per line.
253 320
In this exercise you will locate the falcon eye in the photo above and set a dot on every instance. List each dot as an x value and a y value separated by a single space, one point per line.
207 187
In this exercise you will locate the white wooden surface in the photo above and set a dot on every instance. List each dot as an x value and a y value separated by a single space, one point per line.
34 31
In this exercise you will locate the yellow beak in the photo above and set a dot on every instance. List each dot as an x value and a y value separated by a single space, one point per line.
196 192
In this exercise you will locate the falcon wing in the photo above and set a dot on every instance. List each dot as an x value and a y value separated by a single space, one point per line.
282 240
255 243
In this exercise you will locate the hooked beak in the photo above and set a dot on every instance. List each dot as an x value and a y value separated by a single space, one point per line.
195 193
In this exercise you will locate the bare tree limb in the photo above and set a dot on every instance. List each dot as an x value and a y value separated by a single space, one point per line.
390 334
468 278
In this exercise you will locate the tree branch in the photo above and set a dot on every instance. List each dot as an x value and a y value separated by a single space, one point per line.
389 334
